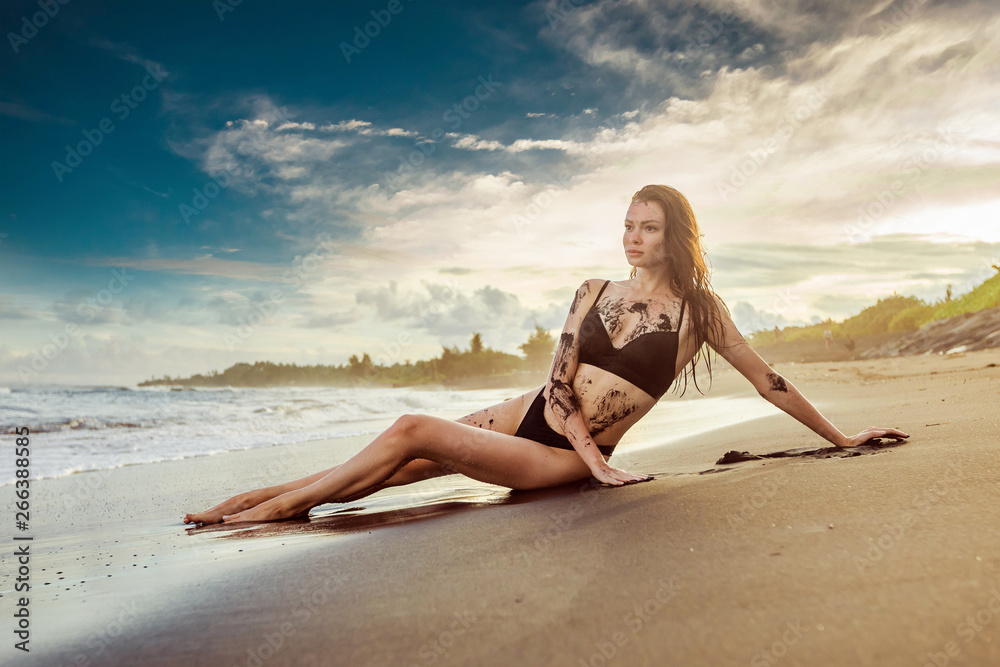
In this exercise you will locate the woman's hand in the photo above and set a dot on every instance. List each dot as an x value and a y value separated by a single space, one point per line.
873 432
615 477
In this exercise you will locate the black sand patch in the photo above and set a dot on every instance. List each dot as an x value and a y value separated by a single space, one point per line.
873 446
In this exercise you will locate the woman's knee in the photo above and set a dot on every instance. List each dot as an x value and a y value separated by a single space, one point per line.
407 430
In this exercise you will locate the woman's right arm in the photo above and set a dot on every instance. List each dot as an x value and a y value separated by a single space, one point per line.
562 399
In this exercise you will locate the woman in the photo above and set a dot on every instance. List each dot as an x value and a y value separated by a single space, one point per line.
622 347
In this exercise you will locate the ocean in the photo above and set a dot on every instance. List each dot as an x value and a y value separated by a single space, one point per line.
75 429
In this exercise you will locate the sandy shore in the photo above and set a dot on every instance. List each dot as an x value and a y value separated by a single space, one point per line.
889 557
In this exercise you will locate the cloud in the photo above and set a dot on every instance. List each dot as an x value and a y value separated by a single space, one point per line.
128 54
659 49
138 310
116 359
205 265
453 315
391 303
82 307
797 132
11 308
31 114
330 320
749 319
793 282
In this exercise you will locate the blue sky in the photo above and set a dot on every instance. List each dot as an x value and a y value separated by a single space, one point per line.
186 185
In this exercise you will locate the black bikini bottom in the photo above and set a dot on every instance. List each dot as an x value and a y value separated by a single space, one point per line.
534 427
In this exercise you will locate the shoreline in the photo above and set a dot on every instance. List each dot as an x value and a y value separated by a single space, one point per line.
367 429
232 420
706 564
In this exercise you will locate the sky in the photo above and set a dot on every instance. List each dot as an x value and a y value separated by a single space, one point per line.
189 184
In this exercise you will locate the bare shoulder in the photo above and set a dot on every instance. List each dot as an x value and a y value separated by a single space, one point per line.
585 294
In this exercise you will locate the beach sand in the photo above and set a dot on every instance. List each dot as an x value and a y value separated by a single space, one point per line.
890 557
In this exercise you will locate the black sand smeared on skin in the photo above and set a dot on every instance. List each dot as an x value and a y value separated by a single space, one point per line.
564 353
583 389
563 399
616 319
478 422
613 313
613 407
583 291
777 382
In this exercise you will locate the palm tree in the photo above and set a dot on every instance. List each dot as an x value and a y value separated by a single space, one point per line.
538 350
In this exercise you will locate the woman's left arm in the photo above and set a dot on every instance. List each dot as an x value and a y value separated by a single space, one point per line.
782 393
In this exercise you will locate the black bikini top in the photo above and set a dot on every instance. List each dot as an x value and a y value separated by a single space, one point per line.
648 361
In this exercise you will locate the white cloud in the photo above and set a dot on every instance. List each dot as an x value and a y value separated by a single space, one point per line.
788 154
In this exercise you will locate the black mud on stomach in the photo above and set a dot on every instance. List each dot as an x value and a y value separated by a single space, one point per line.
613 407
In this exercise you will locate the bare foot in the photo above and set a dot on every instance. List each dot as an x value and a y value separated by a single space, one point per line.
235 504
291 505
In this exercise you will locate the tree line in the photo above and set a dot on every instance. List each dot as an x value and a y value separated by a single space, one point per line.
453 366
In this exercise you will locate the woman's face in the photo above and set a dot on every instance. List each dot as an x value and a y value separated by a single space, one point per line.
644 237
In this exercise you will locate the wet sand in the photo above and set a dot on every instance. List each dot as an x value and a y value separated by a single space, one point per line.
888 557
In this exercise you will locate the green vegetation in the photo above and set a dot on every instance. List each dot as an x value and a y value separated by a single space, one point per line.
485 365
894 314
538 350
454 366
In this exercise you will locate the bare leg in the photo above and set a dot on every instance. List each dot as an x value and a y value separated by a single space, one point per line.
249 499
503 417
485 455
414 471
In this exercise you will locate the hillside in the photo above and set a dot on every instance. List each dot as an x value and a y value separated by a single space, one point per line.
895 326
891 315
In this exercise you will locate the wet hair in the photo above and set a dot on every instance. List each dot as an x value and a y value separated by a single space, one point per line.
688 271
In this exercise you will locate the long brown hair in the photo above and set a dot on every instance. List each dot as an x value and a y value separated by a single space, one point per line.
688 270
